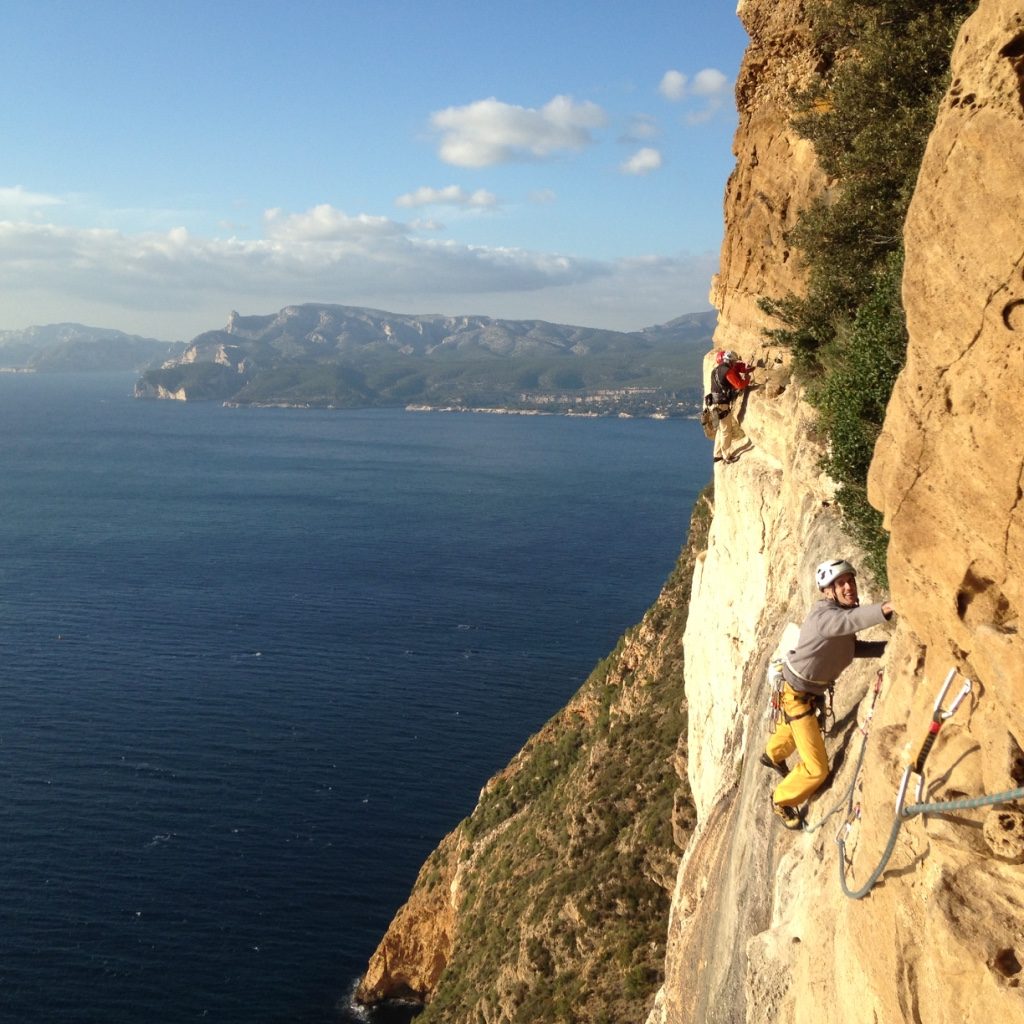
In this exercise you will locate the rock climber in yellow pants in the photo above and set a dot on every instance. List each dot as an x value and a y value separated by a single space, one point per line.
827 644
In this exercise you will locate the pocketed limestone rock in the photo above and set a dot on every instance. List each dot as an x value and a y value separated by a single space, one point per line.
1004 833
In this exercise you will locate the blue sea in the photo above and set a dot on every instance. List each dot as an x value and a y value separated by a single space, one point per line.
254 664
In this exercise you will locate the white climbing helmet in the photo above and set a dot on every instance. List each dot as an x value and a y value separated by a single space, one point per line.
727 356
828 572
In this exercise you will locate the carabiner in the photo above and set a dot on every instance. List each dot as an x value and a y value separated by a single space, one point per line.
940 715
901 795
844 829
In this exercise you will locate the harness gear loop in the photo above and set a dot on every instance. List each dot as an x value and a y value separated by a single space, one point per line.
776 681
824 703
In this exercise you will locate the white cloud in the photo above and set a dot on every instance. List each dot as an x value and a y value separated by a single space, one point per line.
643 161
640 128
543 196
490 132
16 201
426 224
673 85
708 85
709 82
452 195
176 284
325 223
630 295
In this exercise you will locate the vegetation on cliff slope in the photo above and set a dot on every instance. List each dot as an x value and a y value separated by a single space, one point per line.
570 857
884 65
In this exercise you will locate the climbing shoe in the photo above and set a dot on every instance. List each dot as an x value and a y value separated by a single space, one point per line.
735 456
790 817
777 766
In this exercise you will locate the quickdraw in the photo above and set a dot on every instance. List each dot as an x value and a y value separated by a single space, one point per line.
940 716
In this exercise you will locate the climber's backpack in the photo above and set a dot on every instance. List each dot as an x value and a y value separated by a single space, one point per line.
707 420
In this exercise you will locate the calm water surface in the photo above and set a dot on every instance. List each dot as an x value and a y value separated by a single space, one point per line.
255 663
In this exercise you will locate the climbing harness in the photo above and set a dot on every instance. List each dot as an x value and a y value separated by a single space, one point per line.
904 811
818 704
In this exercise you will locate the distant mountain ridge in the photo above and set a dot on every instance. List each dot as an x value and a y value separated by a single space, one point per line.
343 356
347 329
77 348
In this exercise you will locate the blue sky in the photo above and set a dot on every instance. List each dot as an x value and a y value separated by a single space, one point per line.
165 163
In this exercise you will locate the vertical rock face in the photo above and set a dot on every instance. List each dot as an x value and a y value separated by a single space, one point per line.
949 468
760 929
774 492
416 948
775 175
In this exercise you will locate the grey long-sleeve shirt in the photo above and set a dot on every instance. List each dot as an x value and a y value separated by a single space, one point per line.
827 644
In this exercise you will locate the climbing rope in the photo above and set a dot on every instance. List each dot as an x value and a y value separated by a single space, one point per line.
966 804
847 797
906 811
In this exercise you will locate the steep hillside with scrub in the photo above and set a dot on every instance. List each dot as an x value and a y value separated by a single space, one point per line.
873 270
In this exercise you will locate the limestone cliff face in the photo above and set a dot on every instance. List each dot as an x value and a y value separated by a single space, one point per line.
760 929
775 175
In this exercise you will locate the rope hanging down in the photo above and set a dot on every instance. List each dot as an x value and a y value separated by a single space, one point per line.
905 811
847 797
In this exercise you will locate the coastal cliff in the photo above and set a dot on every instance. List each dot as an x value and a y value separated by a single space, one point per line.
758 927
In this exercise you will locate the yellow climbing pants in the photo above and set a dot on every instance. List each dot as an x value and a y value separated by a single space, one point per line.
802 734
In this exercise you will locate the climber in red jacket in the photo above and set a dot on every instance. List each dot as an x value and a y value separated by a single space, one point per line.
729 378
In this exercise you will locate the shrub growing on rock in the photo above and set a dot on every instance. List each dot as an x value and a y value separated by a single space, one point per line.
884 66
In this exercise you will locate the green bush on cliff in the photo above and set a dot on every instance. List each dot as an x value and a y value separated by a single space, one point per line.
860 369
884 67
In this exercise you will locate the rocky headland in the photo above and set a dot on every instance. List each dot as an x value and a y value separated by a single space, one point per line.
336 357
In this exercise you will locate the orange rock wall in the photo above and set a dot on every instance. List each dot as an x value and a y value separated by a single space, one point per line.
760 929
